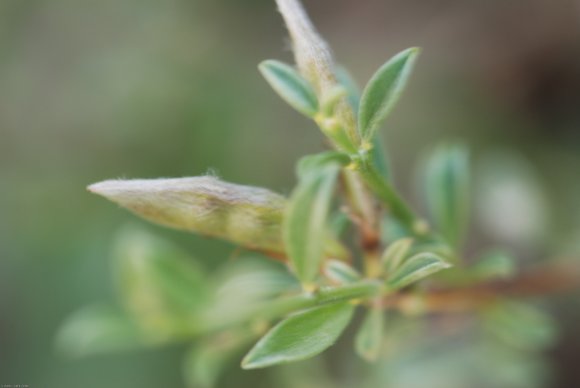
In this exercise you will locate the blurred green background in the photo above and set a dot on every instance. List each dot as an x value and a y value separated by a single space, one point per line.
91 90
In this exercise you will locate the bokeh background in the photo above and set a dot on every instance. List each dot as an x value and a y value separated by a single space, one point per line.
91 90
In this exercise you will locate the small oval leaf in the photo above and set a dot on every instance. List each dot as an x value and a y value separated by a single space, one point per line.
415 268
315 162
159 284
370 335
379 157
341 273
396 253
206 362
347 81
446 190
521 325
300 336
383 91
304 227
290 85
99 329
495 264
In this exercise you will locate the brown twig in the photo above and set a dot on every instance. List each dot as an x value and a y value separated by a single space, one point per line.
537 282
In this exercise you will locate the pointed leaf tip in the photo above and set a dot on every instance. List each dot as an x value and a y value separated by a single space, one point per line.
369 338
383 90
305 222
290 85
300 336
446 190
416 268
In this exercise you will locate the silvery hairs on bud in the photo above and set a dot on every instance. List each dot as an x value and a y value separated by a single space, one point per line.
311 52
314 60
249 216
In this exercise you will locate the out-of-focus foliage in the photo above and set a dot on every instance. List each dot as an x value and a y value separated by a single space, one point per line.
92 90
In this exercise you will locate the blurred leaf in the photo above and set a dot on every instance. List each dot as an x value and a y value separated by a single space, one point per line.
446 190
160 285
305 223
300 336
395 253
332 99
352 89
470 362
246 215
242 286
521 325
311 373
379 157
98 329
383 90
290 85
332 246
392 229
205 363
495 264
312 163
339 223
340 272
512 206
415 268
369 338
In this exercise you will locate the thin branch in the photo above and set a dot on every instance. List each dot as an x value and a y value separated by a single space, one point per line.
541 281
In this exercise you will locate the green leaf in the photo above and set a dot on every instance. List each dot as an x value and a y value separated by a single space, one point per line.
339 223
395 254
415 268
331 99
98 329
290 85
379 157
378 152
521 325
312 163
205 363
348 82
241 287
370 335
446 190
159 284
383 91
305 228
300 336
340 272
494 264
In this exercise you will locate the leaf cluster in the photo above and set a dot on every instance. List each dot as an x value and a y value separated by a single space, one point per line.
297 310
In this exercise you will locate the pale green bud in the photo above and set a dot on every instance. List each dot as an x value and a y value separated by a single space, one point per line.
311 52
249 216
245 215
315 63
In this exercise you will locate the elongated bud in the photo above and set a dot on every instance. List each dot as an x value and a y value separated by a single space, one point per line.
311 52
315 63
245 215
249 216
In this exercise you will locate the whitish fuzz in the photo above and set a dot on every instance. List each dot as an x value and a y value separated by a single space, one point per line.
315 63
249 216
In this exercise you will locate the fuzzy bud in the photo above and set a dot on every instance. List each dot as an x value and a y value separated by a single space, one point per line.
315 63
249 216
245 215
